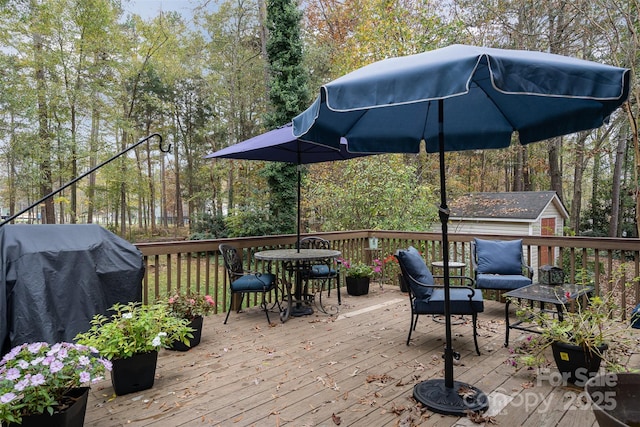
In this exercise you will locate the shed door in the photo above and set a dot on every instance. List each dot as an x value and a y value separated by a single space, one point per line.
548 228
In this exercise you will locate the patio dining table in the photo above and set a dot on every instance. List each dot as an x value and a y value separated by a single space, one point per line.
294 260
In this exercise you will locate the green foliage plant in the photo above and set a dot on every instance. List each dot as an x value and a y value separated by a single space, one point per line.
135 328
35 377
589 325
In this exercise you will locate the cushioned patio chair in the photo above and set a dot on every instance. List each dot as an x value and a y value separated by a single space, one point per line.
428 298
499 265
244 282
322 272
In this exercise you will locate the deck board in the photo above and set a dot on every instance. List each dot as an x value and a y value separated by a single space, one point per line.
306 371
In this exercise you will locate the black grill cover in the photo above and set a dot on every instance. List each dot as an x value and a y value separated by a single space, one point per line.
55 278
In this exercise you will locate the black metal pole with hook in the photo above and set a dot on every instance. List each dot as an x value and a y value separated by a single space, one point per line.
73 181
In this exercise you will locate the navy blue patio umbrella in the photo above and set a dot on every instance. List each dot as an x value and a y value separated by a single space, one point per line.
279 145
461 98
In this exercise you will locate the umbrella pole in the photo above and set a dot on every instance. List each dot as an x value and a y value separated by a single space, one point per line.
446 396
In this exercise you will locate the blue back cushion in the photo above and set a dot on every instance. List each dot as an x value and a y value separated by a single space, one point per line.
499 256
416 267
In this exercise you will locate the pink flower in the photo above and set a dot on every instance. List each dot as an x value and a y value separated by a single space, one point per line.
171 300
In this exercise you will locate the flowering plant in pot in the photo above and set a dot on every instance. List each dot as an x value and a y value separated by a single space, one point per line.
190 306
193 307
359 274
360 269
131 338
134 328
38 378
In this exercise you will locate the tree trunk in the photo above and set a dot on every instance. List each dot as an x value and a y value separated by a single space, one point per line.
555 171
48 210
576 201
617 181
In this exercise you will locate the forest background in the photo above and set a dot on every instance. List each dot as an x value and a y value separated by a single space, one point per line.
81 80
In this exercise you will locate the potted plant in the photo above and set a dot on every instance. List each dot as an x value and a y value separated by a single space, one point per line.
42 384
359 274
192 307
579 339
393 268
130 338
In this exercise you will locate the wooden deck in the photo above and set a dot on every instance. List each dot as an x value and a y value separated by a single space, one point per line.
314 370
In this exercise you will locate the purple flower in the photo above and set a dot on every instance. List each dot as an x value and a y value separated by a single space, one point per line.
7 397
13 374
35 347
37 361
21 385
23 364
107 364
56 366
37 379
83 360
85 377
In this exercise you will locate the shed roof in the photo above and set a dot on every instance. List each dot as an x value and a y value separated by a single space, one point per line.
518 205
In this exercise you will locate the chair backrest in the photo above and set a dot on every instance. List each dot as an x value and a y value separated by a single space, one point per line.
314 243
497 256
414 269
232 261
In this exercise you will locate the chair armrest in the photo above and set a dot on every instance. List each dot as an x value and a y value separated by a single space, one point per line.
471 287
529 271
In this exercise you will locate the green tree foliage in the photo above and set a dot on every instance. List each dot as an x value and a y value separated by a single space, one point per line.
379 191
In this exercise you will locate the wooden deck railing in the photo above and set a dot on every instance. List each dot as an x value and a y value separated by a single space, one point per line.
612 264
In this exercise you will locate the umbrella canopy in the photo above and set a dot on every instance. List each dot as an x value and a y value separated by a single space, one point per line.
391 105
279 145
461 98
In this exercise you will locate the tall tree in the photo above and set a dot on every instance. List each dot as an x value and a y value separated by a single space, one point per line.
289 95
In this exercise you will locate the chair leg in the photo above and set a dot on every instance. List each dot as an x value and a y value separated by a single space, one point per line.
412 326
231 303
264 306
338 288
475 332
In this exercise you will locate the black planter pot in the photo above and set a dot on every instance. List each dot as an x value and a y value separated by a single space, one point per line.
575 363
358 285
196 324
134 373
403 283
614 399
73 416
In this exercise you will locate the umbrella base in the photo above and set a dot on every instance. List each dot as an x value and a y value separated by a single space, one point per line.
299 310
460 399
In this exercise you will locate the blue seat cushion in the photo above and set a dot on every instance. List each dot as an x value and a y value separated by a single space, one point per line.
415 266
322 270
507 282
499 256
253 282
459 302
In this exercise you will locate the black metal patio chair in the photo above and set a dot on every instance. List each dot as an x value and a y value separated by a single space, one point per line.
428 298
322 272
243 282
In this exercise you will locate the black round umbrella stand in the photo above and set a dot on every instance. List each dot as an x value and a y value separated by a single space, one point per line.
458 400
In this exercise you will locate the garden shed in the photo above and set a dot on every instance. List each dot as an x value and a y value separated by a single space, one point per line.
520 213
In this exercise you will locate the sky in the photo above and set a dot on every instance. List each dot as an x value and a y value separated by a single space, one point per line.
148 9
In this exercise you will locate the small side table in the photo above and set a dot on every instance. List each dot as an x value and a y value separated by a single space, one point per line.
453 265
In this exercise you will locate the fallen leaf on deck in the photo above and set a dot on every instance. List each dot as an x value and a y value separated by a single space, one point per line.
336 419
398 409
381 378
478 418
527 385
466 392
